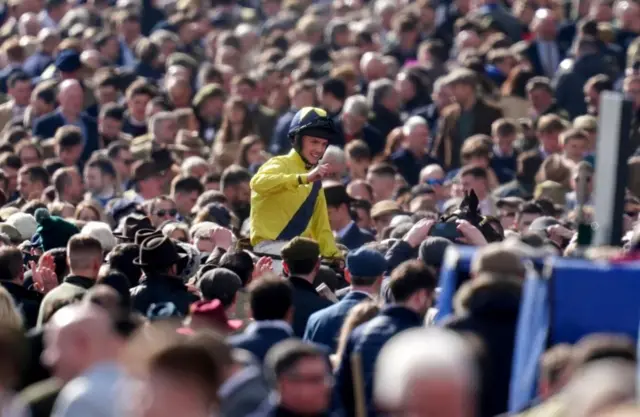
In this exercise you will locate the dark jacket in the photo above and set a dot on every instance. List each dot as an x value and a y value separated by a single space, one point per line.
324 326
280 143
367 340
503 18
260 336
135 130
355 237
46 126
264 119
33 371
369 134
533 56
143 69
504 166
243 393
384 120
27 301
160 288
515 188
570 81
449 141
35 65
409 166
306 301
429 113
489 310
398 253
5 73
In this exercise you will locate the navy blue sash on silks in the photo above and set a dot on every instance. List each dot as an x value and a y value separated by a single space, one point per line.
299 222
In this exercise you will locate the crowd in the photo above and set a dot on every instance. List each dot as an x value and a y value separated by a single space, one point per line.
241 208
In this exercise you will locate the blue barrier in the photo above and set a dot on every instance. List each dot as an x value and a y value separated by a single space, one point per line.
577 298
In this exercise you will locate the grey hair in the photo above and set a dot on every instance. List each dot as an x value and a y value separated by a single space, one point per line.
378 90
157 119
382 6
191 163
160 36
421 354
335 155
413 122
356 105
439 84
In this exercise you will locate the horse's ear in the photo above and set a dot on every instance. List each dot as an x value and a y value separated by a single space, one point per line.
472 201
465 201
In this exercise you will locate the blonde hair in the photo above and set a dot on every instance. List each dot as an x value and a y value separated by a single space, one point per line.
359 314
10 316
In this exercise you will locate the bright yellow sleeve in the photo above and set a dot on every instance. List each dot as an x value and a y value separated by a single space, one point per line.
273 177
321 229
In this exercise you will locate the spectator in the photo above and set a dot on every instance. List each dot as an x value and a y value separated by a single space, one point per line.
412 286
68 185
341 217
498 275
441 362
271 301
160 286
300 262
82 348
413 155
102 180
13 275
84 256
289 364
470 114
366 267
70 97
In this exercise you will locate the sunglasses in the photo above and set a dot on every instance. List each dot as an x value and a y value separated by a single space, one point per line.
129 161
171 212
434 181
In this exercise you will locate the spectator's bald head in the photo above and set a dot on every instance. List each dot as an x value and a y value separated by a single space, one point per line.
29 25
431 172
90 58
544 24
372 66
71 96
76 338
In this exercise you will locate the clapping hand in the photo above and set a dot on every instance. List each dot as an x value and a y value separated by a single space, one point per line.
263 266
44 274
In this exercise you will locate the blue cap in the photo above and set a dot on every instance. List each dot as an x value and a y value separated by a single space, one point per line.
365 262
68 61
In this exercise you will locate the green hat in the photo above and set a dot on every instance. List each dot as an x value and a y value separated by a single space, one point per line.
52 231
208 91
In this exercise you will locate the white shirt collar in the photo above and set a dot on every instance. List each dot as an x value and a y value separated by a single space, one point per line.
343 231
278 324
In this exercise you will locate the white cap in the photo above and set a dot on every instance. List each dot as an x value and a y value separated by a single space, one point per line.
24 223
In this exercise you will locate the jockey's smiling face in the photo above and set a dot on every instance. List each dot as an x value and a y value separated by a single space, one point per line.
313 148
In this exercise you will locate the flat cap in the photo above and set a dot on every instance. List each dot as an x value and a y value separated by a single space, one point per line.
365 262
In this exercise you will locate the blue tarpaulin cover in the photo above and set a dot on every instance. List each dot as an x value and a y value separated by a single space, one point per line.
581 297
